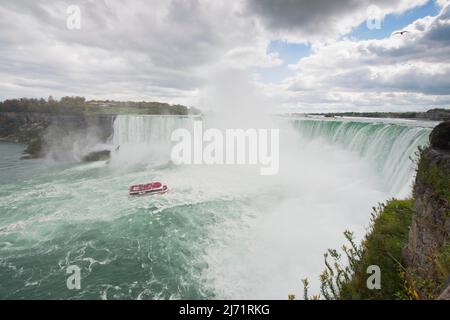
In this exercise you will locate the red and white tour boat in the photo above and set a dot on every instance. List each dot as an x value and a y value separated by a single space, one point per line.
149 188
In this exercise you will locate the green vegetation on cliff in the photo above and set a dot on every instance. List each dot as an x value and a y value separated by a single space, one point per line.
67 105
382 247
79 105
408 239
34 148
428 251
22 130
435 178
26 120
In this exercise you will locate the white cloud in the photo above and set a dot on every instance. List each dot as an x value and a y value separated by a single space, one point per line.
414 69
306 20
134 48
169 50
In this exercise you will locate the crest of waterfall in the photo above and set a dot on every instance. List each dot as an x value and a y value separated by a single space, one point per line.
145 138
389 147
147 130
219 230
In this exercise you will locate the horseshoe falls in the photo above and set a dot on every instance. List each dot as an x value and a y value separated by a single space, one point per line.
221 231
389 147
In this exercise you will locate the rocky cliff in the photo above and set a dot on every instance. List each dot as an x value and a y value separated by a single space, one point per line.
46 132
427 254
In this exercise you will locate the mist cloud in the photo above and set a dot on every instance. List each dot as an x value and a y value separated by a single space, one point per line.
170 51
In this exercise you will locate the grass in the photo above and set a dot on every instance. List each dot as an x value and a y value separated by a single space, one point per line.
436 178
382 247
34 147
385 241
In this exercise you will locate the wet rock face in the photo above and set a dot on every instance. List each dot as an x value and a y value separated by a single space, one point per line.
429 234
54 135
440 137
97 156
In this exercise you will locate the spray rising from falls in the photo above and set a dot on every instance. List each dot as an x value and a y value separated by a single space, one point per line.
331 174
389 147
145 139
146 130
221 231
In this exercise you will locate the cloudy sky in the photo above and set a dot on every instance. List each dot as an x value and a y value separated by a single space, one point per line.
334 55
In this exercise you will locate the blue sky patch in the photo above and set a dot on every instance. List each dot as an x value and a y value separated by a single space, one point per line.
393 22
289 53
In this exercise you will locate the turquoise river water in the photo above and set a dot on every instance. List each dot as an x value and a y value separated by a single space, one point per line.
220 232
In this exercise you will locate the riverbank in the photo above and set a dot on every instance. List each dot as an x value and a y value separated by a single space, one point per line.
431 115
408 239
42 131
33 122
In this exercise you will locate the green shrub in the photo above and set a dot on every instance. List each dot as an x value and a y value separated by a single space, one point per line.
382 246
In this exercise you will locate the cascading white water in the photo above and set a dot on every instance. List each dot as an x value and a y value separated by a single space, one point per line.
389 147
146 130
220 232
268 231
145 139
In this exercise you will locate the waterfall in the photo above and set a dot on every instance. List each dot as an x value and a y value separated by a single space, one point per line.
389 147
222 232
145 129
145 139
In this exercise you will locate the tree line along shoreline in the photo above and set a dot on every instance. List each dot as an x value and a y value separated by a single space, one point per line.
81 106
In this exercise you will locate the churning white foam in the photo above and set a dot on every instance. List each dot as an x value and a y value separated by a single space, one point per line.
331 174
